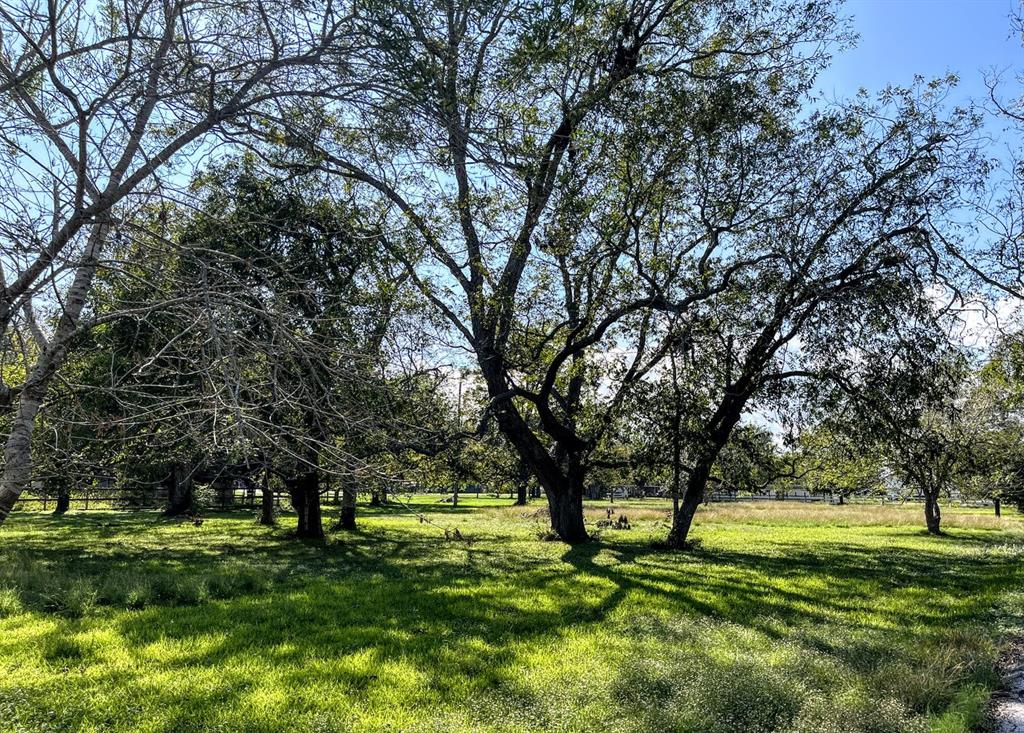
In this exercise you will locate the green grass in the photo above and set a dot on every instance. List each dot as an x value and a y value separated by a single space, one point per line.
787 618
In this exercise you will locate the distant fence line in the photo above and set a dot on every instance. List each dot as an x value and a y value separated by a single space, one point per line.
222 499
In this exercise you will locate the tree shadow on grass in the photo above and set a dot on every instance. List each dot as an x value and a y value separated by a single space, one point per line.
357 613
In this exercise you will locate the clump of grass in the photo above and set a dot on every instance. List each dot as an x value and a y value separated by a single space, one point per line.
10 602
183 590
126 588
79 599
857 713
933 676
702 692
66 649
29 583
234 582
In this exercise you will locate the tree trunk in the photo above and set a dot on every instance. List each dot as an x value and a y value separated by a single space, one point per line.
63 500
566 509
999 507
682 518
375 498
725 420
304 491
17 472
180 497
267 501
562 481
932 513
521 494
842 499
522 478
347 520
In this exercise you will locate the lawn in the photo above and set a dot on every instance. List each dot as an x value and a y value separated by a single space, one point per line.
786 618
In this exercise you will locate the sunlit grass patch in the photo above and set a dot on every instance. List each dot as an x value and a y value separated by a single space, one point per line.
787 619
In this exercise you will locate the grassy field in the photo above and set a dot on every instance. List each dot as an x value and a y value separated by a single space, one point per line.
788 618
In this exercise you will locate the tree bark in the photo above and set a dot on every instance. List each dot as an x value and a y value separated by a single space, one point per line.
718 432
347 520
566 508
682 518
17 472
562 480
267 501
180 496
63 501
304 490
998 506
932 513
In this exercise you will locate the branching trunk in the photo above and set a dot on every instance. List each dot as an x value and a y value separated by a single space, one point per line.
562 481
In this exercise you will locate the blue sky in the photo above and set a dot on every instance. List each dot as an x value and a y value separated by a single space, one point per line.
900 38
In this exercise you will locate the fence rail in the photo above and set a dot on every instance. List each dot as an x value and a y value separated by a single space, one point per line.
240 498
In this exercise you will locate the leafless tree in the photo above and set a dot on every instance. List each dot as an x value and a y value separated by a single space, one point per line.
106 108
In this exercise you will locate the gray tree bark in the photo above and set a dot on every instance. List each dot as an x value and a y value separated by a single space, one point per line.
17 472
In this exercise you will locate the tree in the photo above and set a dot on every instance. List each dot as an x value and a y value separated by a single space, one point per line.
835 462
265 345
535 152
98 101
998 401
824 227
908 405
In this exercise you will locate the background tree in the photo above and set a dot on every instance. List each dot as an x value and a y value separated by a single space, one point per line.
833 462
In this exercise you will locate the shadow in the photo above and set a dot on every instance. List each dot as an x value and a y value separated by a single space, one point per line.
387 608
